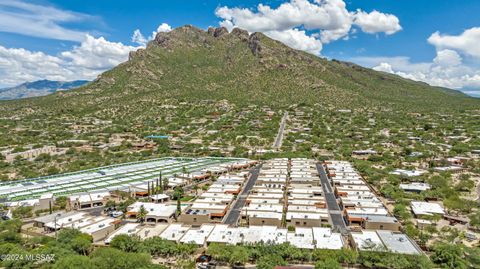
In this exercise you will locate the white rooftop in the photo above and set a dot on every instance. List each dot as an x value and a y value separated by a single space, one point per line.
325 239
153 209
301 238
174 232
425 208
367 240
415 186
198 236
129 229
408 173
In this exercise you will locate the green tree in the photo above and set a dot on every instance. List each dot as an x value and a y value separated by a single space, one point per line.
22 212
165 183
73 262
348 256
177 195
185 250
113 258
10 236
475 219
196 188
82 244
110 204
75 240
127 243
448 256
270 261
239 256
157 246
61 202
142 214
329 263
218 251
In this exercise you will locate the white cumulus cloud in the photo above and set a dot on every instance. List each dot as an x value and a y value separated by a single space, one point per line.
467 42
384 67
446 70
376 22
140 39
295 38
85 61
454 66
97 53
447 58
20 65
163 28
315 22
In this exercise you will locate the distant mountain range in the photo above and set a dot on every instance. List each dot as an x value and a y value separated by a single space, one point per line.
190 64
38 88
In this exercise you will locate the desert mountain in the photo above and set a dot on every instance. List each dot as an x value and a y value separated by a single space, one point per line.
192 64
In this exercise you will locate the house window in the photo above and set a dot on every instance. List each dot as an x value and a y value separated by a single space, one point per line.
194 219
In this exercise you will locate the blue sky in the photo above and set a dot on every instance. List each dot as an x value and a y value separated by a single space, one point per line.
396 36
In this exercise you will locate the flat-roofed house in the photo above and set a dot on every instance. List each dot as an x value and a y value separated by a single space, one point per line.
174 232
359 215
198 236
300 219
128 229
381 223
88 200
324 238
415 187
384 241
159 198
426 209
42 220
155 212
199 213
263 218
101 228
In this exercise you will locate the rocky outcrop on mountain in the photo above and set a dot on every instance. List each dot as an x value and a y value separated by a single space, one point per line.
254 44
220 31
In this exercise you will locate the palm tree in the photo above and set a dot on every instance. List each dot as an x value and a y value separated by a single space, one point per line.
177 195
184 170
165 183
195 188
142 214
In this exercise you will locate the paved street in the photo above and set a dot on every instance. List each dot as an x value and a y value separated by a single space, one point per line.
234 213
278 140
333 208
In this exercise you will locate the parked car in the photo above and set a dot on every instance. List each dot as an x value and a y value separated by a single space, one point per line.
116 214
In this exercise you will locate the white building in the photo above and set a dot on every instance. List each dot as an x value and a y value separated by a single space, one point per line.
425 208
155 212
415 187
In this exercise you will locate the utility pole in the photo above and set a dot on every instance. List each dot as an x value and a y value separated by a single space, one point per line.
162 188
155 189
55 226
